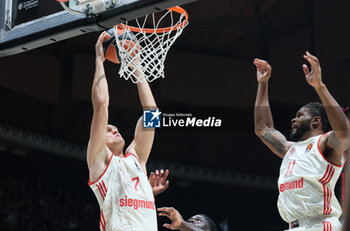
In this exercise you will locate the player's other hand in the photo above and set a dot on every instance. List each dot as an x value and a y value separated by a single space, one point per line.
263 70
100 55
173 215
313 77
158 181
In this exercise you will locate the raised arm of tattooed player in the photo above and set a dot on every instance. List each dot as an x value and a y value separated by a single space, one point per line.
264 128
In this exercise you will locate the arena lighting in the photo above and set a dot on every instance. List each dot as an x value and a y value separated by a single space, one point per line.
27 139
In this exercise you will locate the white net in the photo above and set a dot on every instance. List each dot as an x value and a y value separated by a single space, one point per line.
143 44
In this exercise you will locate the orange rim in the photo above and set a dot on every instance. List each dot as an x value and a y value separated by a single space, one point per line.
176 9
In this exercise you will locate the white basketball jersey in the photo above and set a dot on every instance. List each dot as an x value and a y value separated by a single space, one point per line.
306 183
125 196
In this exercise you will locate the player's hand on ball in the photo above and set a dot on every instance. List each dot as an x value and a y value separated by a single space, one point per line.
263 70
173 215
158 181
99 48
313 77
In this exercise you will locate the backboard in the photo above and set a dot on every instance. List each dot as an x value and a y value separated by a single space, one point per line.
29 24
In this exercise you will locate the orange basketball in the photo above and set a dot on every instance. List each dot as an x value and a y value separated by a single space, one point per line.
127 40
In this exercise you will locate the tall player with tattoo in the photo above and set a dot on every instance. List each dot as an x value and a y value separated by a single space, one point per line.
117 178
313 159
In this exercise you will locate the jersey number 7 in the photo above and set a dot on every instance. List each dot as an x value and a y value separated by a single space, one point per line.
137 179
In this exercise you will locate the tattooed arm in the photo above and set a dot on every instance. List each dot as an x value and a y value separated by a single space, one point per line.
264 128
274 140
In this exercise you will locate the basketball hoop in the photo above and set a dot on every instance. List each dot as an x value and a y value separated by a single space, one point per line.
153 36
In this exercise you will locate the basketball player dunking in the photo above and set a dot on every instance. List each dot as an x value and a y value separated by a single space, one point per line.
119 180
311 163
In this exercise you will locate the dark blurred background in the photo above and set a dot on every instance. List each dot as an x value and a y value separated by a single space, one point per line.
227 174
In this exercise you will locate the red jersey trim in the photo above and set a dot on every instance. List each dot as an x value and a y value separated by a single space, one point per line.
131 154
327 226
91 183
101 193
319 150
102 221
327 193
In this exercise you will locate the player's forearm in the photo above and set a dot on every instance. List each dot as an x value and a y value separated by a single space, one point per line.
262 112
99 94
335 114
145 94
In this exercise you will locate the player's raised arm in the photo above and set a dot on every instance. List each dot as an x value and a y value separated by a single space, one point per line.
263 121
143 137
338 140
100 101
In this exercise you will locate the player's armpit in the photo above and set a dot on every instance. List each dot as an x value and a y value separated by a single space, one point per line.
99 164
275 140
336 147
333 142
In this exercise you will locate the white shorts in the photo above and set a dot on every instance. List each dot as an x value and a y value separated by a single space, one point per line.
322 224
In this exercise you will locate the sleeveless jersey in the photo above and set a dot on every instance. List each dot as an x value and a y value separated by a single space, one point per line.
125 196
306 183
